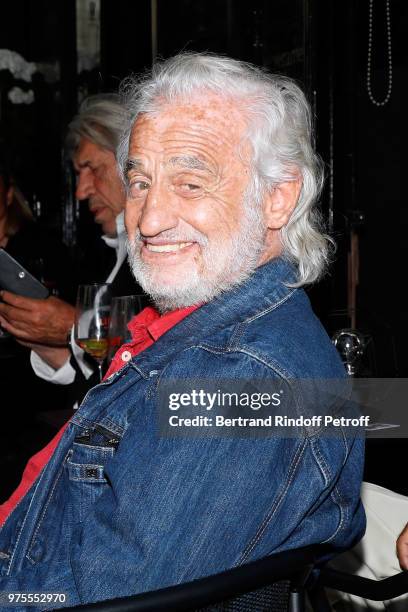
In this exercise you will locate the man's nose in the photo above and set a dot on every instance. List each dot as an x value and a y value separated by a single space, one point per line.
159 212
85 185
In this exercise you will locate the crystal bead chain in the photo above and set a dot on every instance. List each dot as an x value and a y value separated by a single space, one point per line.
369 57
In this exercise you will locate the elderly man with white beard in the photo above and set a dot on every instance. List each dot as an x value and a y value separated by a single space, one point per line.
221 189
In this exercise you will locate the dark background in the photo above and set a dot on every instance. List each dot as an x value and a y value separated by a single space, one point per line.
321 44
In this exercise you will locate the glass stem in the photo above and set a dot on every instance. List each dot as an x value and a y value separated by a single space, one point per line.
100 363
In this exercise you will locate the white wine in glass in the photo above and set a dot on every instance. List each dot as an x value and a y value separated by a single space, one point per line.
92 319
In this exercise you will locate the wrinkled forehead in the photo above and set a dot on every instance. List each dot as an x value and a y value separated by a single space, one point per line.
214 123
88 153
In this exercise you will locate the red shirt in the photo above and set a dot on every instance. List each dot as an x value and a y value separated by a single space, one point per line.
146 328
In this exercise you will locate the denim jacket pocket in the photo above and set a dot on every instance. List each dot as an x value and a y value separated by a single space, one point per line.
85 469
82 473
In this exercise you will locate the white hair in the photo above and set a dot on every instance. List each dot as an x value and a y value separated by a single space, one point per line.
101 119
279 131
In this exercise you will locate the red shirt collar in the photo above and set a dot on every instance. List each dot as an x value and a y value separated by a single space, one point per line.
150 319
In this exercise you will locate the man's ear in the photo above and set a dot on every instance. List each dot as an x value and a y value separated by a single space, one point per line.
10 195
280 202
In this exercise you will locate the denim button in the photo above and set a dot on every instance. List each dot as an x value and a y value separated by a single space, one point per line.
126 356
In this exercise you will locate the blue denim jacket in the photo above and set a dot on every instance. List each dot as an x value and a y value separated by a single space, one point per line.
120 509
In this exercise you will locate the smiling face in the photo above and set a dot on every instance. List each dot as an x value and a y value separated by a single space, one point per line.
190 233
99 182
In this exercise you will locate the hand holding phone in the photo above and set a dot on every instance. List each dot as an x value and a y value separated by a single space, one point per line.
36 321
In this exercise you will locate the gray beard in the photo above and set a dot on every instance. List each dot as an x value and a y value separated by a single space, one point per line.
226 264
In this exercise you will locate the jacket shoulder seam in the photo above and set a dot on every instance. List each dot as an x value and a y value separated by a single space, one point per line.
270 308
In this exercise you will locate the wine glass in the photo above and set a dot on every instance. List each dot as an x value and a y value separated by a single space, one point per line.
92 321
351 345
123 309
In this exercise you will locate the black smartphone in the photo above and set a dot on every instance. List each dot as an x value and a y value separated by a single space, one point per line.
15 278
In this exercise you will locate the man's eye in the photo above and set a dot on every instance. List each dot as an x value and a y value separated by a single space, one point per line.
190 187
138 186
142 185
190 190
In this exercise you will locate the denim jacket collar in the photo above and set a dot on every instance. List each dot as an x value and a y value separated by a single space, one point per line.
264 290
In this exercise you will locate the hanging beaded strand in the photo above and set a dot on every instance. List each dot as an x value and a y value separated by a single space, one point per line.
369 57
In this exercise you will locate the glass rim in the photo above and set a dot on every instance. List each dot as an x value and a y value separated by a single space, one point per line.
123 297
94 285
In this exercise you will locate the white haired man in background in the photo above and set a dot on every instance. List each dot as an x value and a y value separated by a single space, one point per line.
45 325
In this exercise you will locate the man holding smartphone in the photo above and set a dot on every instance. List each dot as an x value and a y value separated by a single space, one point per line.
45 325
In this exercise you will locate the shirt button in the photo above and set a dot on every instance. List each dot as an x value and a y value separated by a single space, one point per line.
126 356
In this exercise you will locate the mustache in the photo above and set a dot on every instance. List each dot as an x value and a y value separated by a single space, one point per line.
171 236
